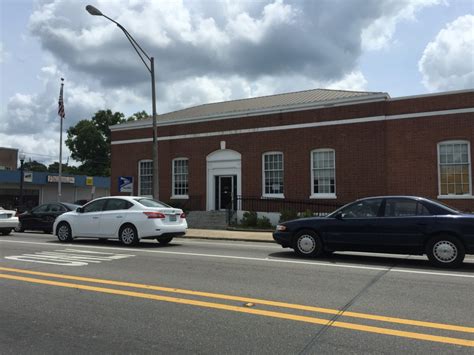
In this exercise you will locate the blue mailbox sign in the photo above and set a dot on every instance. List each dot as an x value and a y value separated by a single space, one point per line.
125 184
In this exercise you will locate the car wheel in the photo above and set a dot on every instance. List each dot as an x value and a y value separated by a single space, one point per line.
445 251
128 235
64 232
164 241
19 227
308 243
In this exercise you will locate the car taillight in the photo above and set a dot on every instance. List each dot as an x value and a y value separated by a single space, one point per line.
182 215
155 215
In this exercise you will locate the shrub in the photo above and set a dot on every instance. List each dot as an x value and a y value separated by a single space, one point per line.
249 219
263 222
307 213
287 215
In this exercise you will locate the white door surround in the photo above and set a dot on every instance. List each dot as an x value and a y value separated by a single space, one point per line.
222 162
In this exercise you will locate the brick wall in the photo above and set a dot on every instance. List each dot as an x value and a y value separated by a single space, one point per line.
372 158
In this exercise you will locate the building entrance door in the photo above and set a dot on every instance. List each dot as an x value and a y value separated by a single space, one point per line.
226 191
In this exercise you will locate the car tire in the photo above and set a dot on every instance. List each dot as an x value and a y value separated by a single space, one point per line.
308 243
445 251
164 241
19 228
64 232
128 235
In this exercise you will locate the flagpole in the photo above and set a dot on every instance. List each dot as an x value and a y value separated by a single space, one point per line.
61 114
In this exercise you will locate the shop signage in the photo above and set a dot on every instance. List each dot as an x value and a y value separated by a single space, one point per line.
64 179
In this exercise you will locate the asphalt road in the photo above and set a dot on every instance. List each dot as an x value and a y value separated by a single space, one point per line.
215 297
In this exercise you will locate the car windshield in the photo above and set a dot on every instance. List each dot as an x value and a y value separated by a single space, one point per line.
148 202
71 206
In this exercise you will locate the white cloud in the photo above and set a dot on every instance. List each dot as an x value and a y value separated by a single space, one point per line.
380 33
448 61
244 26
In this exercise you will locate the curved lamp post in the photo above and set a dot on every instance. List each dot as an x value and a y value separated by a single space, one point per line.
22 174
151 68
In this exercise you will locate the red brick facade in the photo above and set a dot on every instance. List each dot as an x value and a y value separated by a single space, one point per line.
383 154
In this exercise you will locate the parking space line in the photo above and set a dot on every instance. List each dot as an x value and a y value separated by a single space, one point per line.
266 259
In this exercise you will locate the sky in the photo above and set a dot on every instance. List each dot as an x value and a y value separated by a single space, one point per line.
216 50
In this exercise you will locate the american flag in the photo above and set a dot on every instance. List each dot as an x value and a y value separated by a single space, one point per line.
61 112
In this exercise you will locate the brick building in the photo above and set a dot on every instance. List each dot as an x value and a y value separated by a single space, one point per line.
317 145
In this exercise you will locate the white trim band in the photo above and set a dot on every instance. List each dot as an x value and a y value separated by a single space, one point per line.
300 126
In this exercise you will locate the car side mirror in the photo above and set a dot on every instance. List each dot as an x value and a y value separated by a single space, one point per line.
80 210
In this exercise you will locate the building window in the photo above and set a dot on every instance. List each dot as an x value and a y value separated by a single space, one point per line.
454 162
273 174
145 177
180 178
323 173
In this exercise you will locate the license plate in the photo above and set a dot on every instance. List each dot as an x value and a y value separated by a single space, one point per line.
172 218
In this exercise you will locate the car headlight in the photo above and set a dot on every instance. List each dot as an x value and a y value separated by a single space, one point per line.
281 228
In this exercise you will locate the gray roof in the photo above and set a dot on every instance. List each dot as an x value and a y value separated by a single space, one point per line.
263 104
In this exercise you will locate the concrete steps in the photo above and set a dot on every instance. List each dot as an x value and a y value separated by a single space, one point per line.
207 219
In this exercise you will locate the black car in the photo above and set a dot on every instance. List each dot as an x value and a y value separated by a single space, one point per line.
42 217
388 224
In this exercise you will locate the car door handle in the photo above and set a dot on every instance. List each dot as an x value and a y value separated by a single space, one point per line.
95 217
119 217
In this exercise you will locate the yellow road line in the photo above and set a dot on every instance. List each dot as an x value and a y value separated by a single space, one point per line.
253 300
365 328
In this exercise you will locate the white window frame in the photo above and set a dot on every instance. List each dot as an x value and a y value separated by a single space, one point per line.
322 195
140 177
277 195
173 196
453 196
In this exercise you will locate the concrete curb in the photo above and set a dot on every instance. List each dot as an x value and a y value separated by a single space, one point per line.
228 238
212 234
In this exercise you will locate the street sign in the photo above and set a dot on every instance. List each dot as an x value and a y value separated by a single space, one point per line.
125 184
28 176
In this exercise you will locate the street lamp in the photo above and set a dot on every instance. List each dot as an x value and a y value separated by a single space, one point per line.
20 199
151 68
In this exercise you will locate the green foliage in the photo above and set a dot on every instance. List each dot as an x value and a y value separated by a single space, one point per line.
307 213
89 140
264 223
249 219
138 116
34 166
287 215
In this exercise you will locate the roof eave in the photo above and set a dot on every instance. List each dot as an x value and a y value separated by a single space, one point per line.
258 112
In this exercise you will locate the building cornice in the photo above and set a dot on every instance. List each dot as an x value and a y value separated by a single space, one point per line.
301 125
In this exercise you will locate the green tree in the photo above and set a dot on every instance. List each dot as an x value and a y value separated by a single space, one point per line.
34 166
89 140
66 169
138 116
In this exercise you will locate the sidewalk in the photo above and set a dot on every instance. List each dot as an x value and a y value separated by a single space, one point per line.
249 236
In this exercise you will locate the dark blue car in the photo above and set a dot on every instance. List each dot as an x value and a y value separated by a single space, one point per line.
386 224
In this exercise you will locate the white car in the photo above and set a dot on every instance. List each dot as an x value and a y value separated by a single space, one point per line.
8 221
128 218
